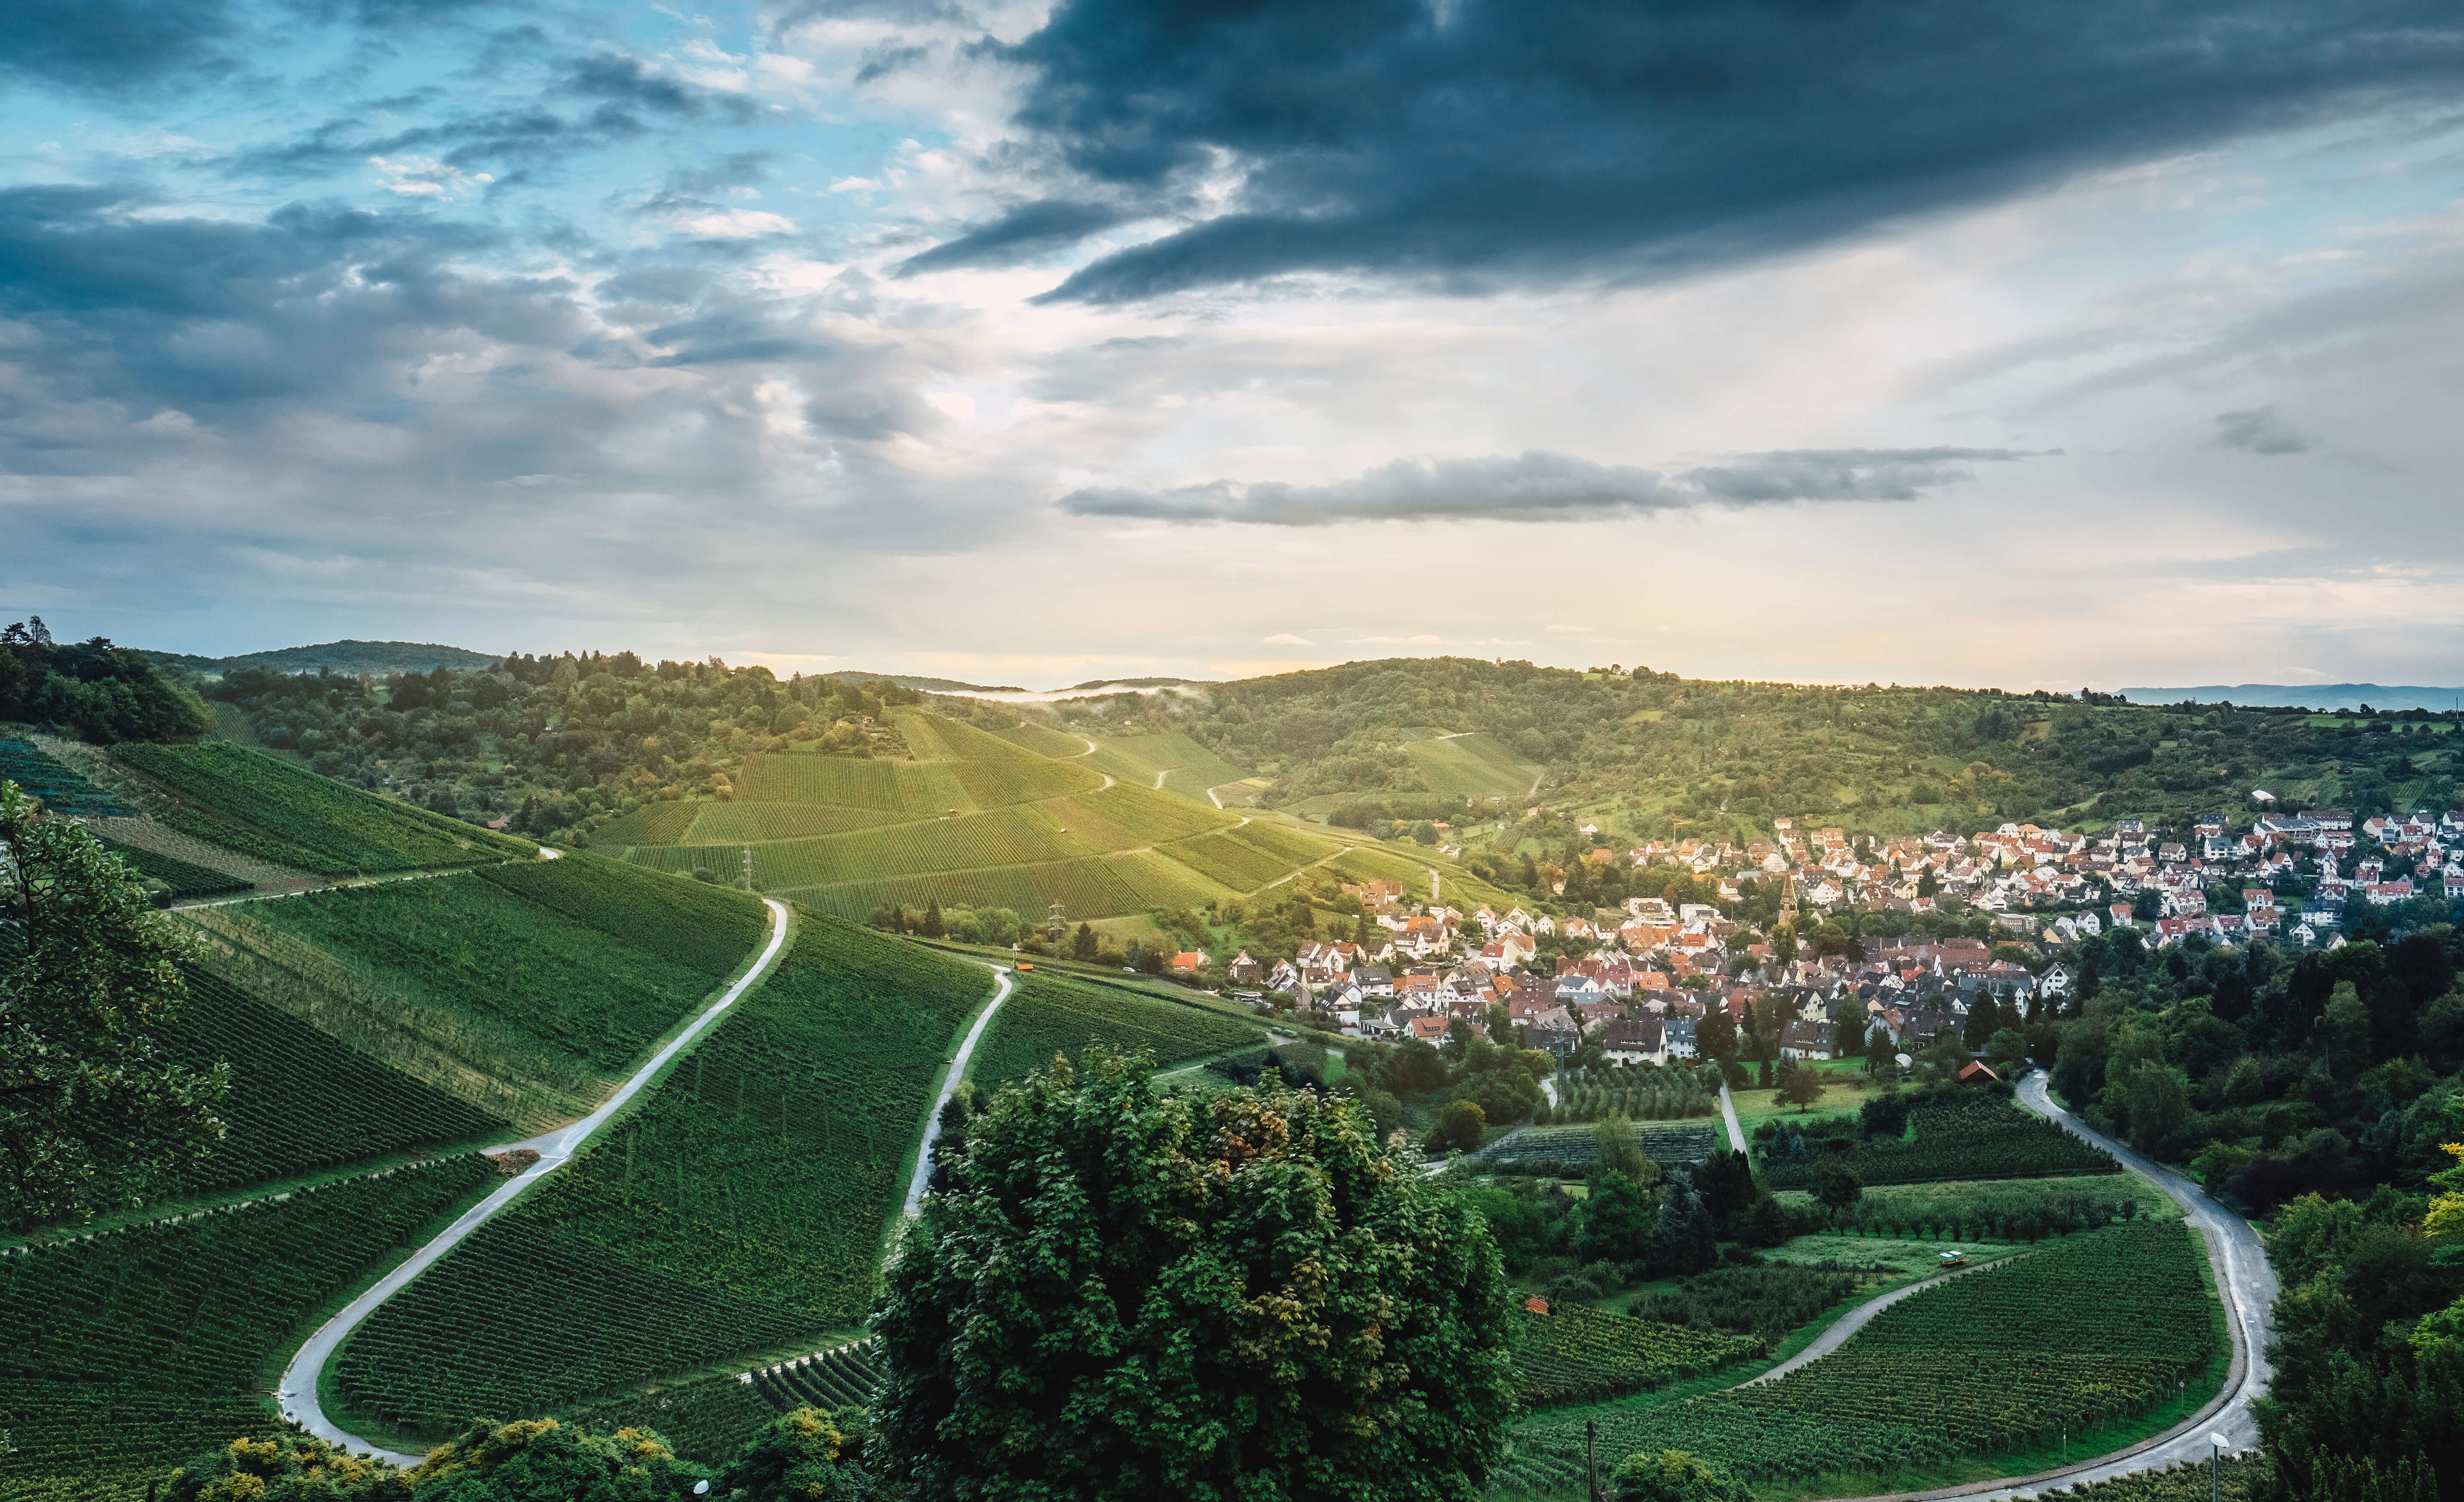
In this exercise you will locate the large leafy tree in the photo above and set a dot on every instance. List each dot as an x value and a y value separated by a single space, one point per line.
1122 1293
88 971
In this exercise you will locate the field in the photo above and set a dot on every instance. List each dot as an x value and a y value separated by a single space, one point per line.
184 879
125 1354
1049 1014
1575 1355
1761 1302
2093 1329
263 806
982 820
1968 1135
1171 763
738 1208
61 789
302 1102
1570 1149
1475 765
1639 1094
2003 1209
522 990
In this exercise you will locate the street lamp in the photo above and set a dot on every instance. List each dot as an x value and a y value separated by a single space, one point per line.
2215 1457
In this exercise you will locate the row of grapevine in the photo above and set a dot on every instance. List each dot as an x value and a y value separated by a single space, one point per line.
244 797
1126 818
844 1377
184 879
998 785
125 1353
1224 856
737 823
1653 1094
63 789
1157 881
300 1101
1572 1150
854 783
1968 1135
2092 1329
1049 1014
1086 888
740 1206
2020 1209
1575 1353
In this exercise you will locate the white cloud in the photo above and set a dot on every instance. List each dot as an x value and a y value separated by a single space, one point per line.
426 177
1288 639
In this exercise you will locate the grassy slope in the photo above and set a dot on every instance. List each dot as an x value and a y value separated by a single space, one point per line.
1052 1014
1473 765
738 1210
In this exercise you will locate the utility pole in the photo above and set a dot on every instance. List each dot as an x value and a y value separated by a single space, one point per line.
1591 1456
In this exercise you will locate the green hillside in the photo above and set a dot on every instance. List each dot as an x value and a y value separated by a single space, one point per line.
976 820
738 1210
126 1353
1051 1013
1473 765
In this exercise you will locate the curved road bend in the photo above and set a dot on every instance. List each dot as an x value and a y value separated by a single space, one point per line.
949 1087
296 1395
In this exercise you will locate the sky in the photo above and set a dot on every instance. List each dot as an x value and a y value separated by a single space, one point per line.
1984 344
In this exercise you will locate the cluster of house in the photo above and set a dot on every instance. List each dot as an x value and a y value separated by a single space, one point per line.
1640 991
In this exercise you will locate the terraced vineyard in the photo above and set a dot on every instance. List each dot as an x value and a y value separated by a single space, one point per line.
522 989
1574 1353
1571 1150
263 806
1049 1014
125 1354
1962 1135
739 1208
300 1101
63 789
1171 763
184 879
2097 1328
1640 1094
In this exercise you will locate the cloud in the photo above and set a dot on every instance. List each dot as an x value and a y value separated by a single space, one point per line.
1288 639
1542 486
1490 142
116 46
1027 231
2258 429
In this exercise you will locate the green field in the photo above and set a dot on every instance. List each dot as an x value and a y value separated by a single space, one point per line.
1962 1135
1171 763
1051 1014
738 1208
123 1354
261 805
1573 1354
2089 1331
979 821
524 990
184 879
1477 765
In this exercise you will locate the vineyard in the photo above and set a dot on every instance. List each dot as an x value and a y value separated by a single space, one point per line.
1475 765
1048 1014
739 1207
1764 1302
183 879
1189 769
63 791
1570 1151
1088 888
2088 1331
123 1354
1575 1353
1955 1134
2001 1210
1655 1094
299 1101
263 806
1240 864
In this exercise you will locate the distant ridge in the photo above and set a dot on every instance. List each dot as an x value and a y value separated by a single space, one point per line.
927 685
358 658
1131 683
2307 695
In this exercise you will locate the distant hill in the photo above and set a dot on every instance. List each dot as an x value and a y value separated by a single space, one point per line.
2306 696
927 685
357 658
1132 683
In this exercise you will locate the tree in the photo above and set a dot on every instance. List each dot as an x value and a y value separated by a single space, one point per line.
1082 944
1683 1239
933 928
89 1112
286 1467
1801 1087
1267 1303
1616 1220
1460 1125
796 1457
1672 1475
2007 1050
1837 1184
1617 1150
1783 944
542 1460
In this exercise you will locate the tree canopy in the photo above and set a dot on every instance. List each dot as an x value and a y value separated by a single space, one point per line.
1124 1293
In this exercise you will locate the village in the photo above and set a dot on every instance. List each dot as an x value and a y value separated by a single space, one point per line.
1640 982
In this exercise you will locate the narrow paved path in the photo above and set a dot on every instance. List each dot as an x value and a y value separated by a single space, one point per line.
296 1395
949 1087
1728 1110
1857 1318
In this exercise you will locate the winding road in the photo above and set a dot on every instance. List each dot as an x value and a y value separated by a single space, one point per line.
2244 1281
296 1395
949 1087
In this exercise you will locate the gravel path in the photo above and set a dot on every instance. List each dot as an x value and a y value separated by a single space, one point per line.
297 1396
1729 1109
1857 1318
949 1087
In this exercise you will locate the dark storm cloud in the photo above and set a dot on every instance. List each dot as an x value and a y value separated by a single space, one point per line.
1477 142
2258 429
1540 486
624 82
1023 231
113 46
